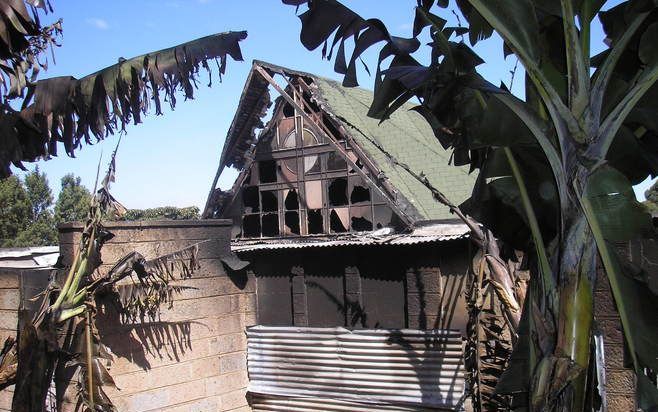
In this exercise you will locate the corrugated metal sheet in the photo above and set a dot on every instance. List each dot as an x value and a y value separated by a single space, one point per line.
335 369
29 257
425 234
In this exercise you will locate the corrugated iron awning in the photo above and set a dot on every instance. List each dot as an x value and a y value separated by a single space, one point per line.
424 234
308 369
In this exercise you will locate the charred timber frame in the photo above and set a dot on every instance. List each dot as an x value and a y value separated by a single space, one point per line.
312 123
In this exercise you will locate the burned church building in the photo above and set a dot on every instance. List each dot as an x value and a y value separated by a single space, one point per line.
339 232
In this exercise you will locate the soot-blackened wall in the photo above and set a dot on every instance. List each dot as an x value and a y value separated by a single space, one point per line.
384 286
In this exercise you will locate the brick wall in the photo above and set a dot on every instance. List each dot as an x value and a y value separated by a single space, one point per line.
192 358
620 381
386 286
17 287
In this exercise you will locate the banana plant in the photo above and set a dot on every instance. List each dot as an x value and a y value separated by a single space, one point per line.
555 168
69 308
74 111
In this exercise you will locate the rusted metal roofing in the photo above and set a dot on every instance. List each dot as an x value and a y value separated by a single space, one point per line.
29 257
440 232
336 369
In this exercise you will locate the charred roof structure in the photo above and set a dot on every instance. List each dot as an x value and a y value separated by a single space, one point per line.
353 257
327 124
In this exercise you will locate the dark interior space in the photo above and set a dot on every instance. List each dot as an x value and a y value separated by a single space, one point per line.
267 171
269 201
335 223
250 199
292 222
361 224
271 224
338 192
251 225
292 200
359 194
315 225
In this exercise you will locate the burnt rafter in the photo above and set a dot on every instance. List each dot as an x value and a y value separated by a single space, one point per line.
313 124
318 133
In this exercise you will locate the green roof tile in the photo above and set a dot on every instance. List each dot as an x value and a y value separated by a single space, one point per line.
409 138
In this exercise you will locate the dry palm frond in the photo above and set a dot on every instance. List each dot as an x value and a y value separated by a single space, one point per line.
69 110
150 287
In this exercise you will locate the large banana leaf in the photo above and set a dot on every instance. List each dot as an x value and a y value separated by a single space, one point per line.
70 110
615 215
562 133
17 25
22 41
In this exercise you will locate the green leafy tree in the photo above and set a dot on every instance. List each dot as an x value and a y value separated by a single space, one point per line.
28 220
162 213
38 192
73 200
40 230
555 168
15 210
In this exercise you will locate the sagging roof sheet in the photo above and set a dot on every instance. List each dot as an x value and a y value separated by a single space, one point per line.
426 234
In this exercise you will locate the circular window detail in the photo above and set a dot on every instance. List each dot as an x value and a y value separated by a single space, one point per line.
311 163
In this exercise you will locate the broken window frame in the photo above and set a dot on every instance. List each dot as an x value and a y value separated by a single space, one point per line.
284 156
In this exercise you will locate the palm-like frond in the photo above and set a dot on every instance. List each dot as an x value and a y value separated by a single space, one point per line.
70 110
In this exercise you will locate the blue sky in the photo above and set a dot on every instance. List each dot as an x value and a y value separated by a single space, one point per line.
172 159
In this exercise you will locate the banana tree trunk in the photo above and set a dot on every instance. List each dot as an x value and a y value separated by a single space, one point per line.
564 334
38 358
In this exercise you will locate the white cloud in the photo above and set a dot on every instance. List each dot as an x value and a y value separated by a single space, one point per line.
100 24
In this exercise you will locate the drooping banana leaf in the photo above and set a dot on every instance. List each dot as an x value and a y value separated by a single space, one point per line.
615 215
70 111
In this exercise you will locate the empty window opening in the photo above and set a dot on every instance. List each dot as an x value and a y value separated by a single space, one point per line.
336 162
310 104
361 224
338 220
250 199
338 192
315 221
292 200
251 225
359 194
332 129
383 217
288 110
267 171
271 224
292 223
355 160
269 201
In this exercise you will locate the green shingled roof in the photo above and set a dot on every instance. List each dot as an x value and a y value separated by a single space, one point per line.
407 137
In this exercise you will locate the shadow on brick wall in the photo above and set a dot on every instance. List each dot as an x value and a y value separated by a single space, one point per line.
134 340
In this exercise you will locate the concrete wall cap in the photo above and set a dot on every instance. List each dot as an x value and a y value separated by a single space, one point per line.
149 224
